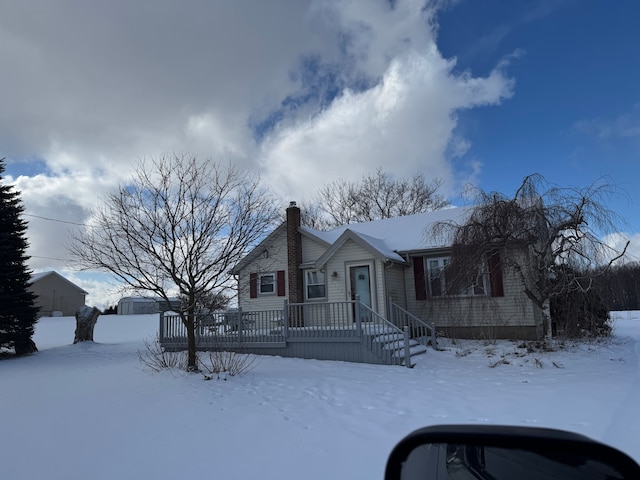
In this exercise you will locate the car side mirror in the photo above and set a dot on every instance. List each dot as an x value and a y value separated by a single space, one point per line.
490 452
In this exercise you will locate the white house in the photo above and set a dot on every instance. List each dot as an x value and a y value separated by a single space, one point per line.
397 261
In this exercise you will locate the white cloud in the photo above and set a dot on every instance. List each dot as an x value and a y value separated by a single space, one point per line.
404 124
618 241
95 87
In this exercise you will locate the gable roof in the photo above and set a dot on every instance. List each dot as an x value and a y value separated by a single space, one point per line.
386 239
257 251
39 276
393 236
374 245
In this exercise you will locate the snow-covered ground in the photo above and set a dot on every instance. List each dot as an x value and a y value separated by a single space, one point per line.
91 411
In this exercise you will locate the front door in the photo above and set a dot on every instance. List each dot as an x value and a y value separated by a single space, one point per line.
361 286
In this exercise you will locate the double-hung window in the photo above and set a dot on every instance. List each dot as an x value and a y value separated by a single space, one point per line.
267 284
315 286
436 276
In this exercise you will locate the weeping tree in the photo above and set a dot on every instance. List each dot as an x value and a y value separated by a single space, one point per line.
550 236
175 230
373 197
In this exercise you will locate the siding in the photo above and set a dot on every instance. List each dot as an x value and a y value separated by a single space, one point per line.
55 294
512 315
395 284
339 288
311 250
275 260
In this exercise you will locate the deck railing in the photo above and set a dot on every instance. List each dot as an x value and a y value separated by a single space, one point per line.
383 337
342 321
327 319
418 329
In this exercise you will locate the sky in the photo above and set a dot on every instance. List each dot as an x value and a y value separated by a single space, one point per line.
91 410
308 92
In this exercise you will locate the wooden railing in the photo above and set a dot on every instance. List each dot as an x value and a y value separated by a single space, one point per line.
302 321
418 329
380 334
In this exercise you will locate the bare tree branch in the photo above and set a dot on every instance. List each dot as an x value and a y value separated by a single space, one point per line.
373 197
176 230
550 236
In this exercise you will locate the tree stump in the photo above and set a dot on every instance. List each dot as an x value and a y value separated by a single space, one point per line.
86 318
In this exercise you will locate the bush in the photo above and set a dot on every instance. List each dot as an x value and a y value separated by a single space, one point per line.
157 358
225 364
579 314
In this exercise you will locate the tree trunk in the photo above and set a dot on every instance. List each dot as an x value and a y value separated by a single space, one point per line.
546 312
192 361
86 318
24 347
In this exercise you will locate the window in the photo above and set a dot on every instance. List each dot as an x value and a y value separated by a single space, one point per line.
443 279
315 284
436 267
267 284
436 277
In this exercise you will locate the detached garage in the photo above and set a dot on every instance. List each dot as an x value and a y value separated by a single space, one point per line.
145 305
55 295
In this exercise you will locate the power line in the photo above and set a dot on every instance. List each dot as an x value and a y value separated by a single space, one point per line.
56 220
48 258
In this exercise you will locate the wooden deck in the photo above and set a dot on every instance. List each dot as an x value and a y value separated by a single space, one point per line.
344 331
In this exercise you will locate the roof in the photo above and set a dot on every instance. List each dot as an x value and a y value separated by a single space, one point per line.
393 236
36 277
387 239
257 251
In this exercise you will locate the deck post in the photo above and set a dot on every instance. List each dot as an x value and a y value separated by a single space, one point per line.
240 325
356 312
285 319
407 352
161 333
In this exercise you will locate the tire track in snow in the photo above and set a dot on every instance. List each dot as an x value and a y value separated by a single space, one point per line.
623 431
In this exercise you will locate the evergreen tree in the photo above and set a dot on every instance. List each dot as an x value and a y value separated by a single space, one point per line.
18 313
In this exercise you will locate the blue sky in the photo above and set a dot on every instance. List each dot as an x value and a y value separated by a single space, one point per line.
304 92
575 112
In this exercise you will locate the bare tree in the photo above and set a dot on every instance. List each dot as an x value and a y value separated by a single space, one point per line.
550 236
176 230
373 197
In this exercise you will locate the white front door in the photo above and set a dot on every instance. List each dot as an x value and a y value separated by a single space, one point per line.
361 283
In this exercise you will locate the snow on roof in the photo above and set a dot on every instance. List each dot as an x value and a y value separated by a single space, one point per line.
40 275
399 234
37 276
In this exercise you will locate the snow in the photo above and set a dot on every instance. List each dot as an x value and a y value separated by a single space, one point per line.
91 411
401 234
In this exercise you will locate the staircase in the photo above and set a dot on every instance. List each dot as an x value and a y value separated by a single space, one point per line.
393 345
386 340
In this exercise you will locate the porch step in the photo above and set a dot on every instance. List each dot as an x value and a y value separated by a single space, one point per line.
389 337
413 351
394 344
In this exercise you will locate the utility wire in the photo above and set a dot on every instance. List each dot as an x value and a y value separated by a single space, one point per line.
55 220
48 258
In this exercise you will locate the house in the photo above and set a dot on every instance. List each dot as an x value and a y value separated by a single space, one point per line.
386 264
376 292
142 305
55 295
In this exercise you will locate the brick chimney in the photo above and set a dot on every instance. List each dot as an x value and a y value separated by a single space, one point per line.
294 254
